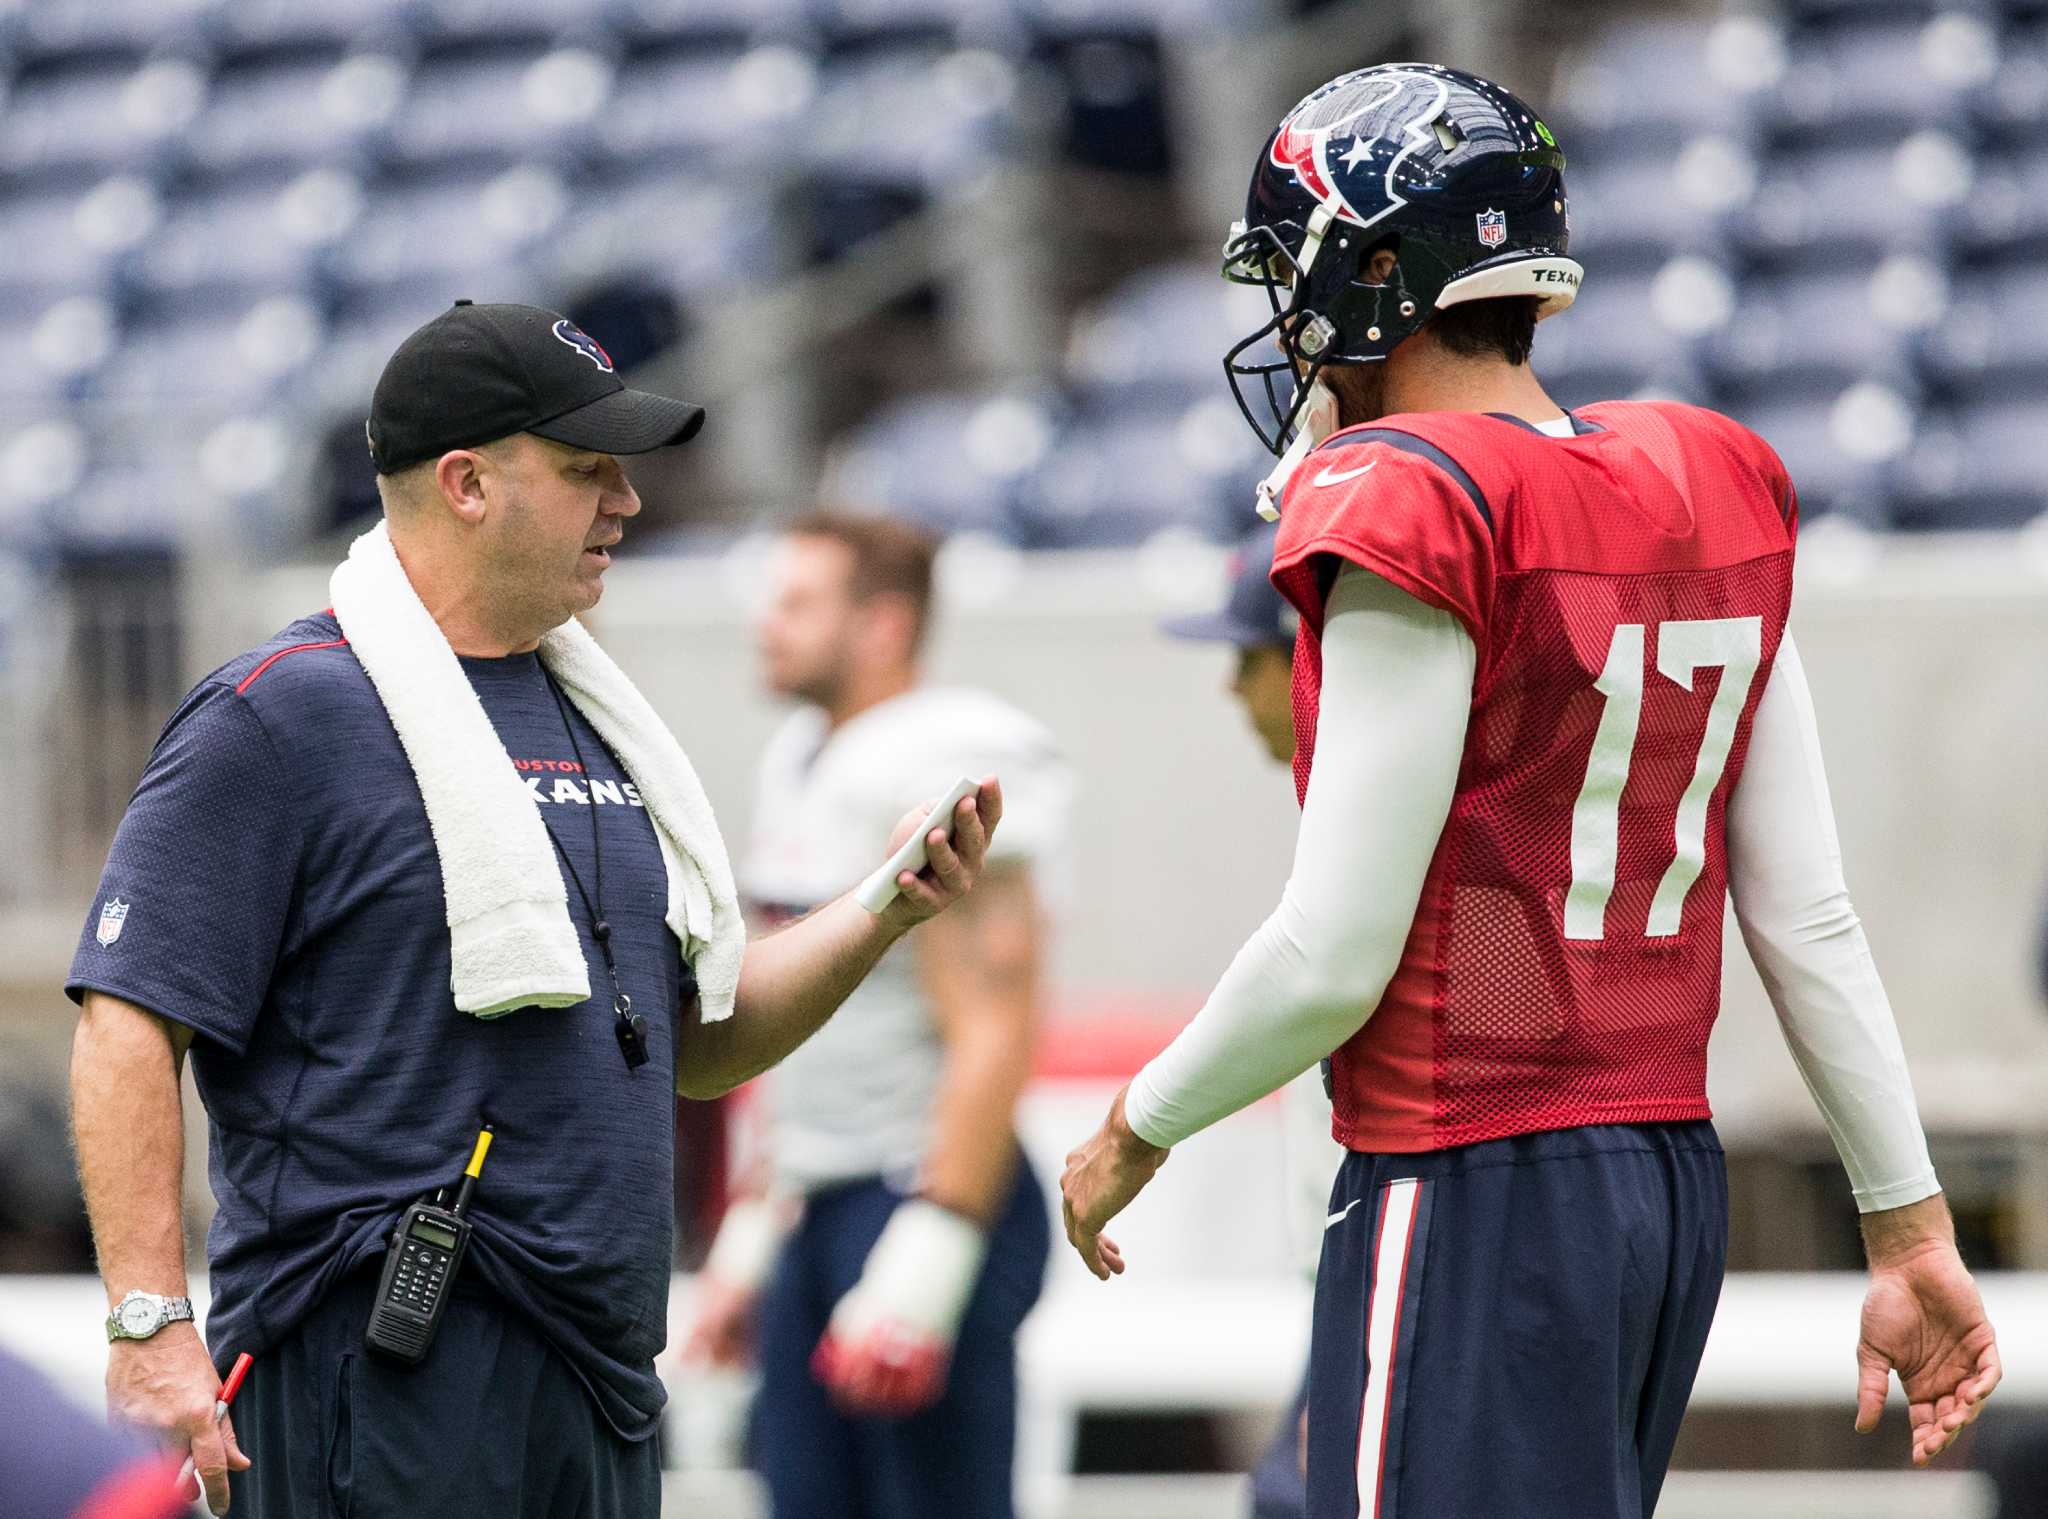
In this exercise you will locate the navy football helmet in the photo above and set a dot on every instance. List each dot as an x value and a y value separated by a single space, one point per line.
1457 176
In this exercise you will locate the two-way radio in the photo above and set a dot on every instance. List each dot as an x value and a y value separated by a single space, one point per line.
426 1251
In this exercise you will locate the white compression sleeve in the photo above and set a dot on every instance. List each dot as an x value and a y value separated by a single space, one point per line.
1785 874
1397 690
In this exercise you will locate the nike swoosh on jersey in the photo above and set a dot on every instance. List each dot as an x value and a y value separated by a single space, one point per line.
1345 1212
1332 476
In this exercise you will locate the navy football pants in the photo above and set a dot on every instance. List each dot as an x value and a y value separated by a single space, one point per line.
493 1424
951 1461
1512 1328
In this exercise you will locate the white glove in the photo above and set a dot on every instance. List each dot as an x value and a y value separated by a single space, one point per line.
729 1286
890 1340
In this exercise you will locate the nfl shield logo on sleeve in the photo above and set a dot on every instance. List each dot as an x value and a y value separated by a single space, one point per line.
112 916
1493 228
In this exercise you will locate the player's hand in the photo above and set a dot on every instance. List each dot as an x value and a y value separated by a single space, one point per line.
167 1383
721 1323
951 864
889 1344
1922 1318
1100 1180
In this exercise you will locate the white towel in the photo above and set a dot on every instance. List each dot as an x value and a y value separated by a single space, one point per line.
511 942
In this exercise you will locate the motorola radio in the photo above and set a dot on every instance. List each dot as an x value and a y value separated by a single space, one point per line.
426 1251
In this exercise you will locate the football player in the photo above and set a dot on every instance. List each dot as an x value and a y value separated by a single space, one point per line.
884 1319
1548 718
1257 621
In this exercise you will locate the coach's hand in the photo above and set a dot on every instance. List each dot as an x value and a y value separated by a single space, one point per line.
167 1383
951 864
1100 1180
1922 1317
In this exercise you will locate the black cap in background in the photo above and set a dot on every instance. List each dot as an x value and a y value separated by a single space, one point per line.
475 374
1255 615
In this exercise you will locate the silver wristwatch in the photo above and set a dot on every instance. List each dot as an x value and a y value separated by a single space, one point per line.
141 1314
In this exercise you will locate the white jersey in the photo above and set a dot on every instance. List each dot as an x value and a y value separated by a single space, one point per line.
856 1099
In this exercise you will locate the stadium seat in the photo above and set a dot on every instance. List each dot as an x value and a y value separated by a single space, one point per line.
248 28
451 224
49 29
1978 467
952 464
854 24
892 130
1824 328
1631 332
690 104
1634 210
70 239
712 22
99 115
492 23
1843 450
691 234
248 231
505 103
1116 480
1163 330
1658 83
2007 215
225 349
2017 98
1837 202
1995 336
1845 81
301 108
55 347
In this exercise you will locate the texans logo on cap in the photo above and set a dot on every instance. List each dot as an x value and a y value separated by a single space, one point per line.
583 343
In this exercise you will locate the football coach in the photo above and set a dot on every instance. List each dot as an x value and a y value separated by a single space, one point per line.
422 863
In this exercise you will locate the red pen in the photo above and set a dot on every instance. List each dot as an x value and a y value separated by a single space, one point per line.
221 1400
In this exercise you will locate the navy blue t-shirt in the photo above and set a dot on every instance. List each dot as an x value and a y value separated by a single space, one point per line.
274 887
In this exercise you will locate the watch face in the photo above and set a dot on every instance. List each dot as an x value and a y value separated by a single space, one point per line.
138 1317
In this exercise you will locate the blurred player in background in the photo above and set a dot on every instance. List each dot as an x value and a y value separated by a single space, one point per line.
59 1462
885 1319
1548 716
1257 621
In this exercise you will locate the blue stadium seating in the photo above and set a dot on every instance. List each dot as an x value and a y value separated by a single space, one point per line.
318 107
686 105
950 463
1116 479
248 230
1772 209
1843 449
1994 340
70 238
246 29
99 115
1977 467
1163 333
504 102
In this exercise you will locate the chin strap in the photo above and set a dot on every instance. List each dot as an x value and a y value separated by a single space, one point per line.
1317 421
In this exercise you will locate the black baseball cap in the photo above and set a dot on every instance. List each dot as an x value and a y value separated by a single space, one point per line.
475 374
1254 615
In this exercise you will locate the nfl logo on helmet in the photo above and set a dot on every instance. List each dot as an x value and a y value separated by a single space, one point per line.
112 916
1493 228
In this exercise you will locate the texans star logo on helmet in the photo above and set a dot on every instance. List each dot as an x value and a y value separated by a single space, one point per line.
584 344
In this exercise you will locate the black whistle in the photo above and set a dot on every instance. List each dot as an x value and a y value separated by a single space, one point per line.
630 1029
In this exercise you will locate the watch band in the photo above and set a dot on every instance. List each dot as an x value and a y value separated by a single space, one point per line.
169 1310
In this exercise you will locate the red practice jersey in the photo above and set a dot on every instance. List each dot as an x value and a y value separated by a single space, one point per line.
1626 589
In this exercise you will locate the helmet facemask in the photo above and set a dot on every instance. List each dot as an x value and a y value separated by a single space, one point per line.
1323 315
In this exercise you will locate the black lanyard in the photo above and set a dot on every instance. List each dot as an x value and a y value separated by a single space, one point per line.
629 1027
